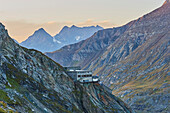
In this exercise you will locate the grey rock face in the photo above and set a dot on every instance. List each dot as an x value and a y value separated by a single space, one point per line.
32 82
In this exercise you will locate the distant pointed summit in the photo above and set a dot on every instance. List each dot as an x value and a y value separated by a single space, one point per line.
40 30
40 40
97 26
73 26
65 27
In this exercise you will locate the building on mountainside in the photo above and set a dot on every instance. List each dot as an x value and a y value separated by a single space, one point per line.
83 76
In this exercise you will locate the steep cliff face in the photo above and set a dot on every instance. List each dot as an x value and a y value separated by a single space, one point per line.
134 61
32 82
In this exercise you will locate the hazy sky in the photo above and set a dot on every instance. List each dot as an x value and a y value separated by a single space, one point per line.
23 17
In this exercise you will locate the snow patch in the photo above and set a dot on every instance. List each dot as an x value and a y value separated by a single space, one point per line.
9 84
58 42
54 40
78 37
45 109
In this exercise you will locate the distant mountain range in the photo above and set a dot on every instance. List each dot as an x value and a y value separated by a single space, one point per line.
74 34
133 60
44 42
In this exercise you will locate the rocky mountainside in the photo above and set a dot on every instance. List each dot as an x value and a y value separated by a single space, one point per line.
32 82
41 41
133 60
74 34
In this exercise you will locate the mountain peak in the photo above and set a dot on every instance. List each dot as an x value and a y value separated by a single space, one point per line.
73 26
99 26
65 27
39 40
2 26
3 31
5 40
167 1
41 29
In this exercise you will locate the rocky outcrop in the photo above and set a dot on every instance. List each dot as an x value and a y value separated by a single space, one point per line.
133 60
32 82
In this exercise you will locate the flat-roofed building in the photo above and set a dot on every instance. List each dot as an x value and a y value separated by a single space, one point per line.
81 75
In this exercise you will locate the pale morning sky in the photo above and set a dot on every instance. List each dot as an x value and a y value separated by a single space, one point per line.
23 17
